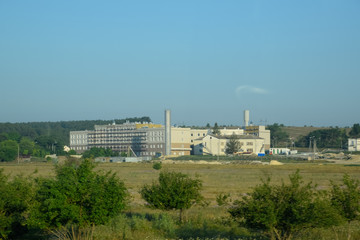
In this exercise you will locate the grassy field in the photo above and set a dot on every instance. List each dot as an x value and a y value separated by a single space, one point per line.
236 179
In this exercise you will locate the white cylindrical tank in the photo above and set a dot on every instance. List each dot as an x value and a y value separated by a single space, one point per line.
167 132
246 118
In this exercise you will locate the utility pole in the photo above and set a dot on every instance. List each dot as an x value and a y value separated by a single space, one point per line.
218 149
18 158
314 149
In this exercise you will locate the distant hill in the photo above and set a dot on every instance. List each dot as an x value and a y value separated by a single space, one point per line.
296 132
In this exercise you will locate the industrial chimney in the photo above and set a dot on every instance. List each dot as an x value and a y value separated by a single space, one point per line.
246 118
167 133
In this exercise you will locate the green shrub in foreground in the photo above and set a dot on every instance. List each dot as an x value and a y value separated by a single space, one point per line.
286 209
346 198
175 190
15 198
77 195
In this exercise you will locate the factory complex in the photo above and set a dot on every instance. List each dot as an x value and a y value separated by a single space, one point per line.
149 139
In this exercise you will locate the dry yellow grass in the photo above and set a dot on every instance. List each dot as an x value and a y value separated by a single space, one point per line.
236 179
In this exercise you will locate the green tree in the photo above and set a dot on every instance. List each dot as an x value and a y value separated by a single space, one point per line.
216 129
278 136
355 131
282 210
8 150
15 199
174 191
233 145
78 195
95 152
14 136
325 138
346 198
26 146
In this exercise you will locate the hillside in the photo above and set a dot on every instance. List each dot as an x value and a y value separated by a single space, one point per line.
296 132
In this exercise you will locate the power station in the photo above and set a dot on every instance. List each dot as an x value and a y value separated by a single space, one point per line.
150 140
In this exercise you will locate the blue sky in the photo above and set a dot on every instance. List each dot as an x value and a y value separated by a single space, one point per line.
290 62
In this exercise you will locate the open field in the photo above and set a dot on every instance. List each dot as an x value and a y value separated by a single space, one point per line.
201 222
236 179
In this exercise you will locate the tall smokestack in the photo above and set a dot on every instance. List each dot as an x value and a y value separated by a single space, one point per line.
167 133
246 118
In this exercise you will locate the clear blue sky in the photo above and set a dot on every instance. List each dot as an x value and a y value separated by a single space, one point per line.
290 62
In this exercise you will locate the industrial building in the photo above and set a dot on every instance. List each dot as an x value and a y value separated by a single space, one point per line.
216 144
148 139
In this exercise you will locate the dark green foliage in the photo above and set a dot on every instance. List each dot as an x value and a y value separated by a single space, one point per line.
78 195
346 198
286 209
157 166
15 198
278 136
99 152
216 129
8 150
174 190
58 131
71 152
233 145
355 131
26 146
325 138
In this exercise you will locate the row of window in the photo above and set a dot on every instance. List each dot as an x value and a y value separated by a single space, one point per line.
198 134
78 136
74 142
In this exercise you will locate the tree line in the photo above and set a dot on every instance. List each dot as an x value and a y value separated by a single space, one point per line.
42 138
333 137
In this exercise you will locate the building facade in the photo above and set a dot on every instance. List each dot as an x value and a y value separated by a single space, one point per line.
142 139
353 144
216 145
148 139
261 132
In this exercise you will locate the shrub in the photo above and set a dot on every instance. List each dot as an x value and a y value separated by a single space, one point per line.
78 195
284 210
223 199
346 198
174 191
15 199
157 166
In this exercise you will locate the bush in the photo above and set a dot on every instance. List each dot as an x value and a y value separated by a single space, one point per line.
286 209
15 199
346 198
174 191
77 195
157 166
223 199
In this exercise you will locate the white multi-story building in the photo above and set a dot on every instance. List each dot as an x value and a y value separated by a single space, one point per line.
144 139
